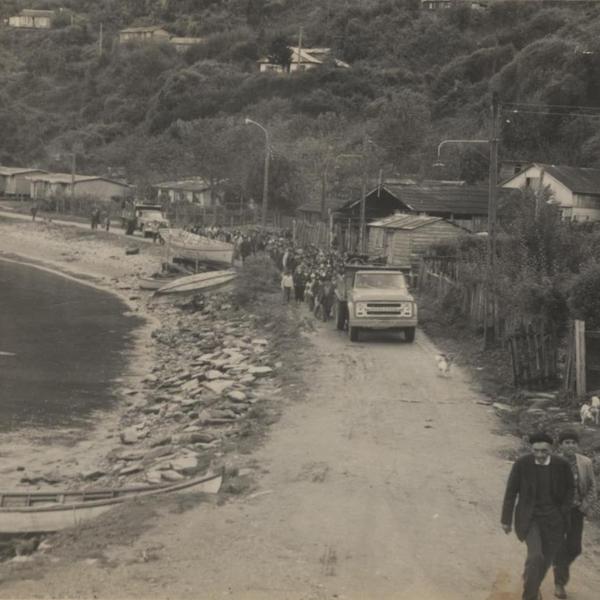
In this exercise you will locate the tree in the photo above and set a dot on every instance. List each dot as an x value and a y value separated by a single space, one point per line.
279 53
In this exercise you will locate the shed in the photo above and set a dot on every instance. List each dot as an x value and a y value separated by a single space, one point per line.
64 184
32 19
195 190
144 34
404 238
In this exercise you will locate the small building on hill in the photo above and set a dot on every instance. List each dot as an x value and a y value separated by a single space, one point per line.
184 43
49 185
575 190
194 190
404 238
144 34
303 59
32 19
14 181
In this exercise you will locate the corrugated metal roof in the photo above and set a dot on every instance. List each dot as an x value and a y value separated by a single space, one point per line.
7 171
68 178
149 29
32 12
187 185
456 200
580 180
405 221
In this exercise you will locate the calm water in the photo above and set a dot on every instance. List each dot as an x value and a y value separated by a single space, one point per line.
69 342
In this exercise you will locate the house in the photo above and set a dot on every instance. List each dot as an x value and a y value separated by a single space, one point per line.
404 238
575 190
14 182
465 205
144 34
194 190
45 186
32 19
184 43
303 59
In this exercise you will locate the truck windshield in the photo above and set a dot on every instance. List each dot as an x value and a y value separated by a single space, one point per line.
387 281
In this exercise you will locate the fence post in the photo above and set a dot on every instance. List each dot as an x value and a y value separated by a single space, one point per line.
580 369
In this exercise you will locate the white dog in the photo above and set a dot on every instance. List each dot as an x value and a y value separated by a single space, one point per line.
444 363
591 411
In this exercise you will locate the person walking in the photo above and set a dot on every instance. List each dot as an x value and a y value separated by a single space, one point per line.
544 487
34 211
287 283
585 496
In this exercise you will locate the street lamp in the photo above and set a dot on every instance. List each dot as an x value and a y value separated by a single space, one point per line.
489 333
265 198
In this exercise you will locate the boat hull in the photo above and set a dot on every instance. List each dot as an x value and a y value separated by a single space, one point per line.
199 283
182 244
57 515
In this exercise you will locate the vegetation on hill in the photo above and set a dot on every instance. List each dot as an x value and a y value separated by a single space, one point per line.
416 78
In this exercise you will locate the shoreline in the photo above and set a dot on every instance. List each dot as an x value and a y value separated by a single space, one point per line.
91 441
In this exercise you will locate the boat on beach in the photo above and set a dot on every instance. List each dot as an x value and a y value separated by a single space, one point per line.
154 283
202 282
184 244
23 512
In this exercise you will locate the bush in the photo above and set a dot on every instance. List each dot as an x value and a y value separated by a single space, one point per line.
584 296
259 276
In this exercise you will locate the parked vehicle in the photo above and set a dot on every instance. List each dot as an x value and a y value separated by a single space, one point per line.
375 297
147 218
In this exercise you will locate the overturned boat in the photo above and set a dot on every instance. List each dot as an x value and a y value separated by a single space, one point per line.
202 282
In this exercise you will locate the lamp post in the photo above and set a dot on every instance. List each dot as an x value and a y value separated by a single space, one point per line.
488 332
265 199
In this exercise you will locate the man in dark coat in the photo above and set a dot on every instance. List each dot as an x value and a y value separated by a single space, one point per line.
545 488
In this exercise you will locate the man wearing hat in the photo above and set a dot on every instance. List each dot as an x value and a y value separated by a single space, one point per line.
585 495
542 486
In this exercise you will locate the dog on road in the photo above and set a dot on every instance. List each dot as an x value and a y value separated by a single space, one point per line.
444 363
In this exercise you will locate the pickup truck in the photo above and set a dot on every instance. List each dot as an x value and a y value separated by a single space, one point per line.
374 297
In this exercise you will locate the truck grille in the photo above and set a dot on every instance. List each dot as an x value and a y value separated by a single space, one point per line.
389 309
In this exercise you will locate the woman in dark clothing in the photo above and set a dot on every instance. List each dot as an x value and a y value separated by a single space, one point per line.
299 284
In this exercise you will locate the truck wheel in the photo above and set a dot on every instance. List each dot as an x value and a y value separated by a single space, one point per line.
409 334
353 331
340 315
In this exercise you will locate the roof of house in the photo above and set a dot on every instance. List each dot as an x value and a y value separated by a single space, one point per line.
68 178
149 29
31 12
578 179
195 184
186 41
405 221
315 56
8 171
466 200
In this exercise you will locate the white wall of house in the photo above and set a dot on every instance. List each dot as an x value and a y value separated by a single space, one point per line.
579 207
157 35
201 198
18 184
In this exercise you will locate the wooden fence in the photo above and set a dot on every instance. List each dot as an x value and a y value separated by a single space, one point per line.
534 355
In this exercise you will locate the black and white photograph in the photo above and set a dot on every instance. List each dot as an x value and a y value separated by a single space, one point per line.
299 299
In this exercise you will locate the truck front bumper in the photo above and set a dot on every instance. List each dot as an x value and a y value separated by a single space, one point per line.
370 323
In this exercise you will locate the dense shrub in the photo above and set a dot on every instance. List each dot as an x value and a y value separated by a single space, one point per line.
584 296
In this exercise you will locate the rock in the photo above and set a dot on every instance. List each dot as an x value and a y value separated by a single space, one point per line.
237 396
218 386
161 441
158 452
129 469
185 464
130 435
131 250
260 342
194 437
503 407
190 385
259 371
541 402
247 379
153 477
92 474
170 475
213 374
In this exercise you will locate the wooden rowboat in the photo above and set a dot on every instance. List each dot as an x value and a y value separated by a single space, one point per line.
201 282
22 512
154 283
184 244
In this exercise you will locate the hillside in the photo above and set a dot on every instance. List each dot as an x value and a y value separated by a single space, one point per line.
416 78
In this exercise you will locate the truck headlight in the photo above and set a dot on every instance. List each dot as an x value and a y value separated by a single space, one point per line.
361 309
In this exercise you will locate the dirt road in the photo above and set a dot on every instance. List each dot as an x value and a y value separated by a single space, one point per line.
385 482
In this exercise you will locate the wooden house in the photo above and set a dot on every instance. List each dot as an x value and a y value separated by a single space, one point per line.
32 19
14 181
184 43
49 185
194 190
144 34
404 238
575 190
303 59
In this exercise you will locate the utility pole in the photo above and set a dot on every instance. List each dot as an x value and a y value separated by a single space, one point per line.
299 58
489 328
100 40
323 192
362 234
